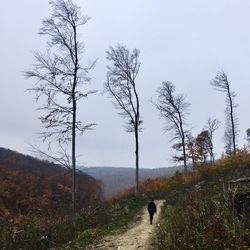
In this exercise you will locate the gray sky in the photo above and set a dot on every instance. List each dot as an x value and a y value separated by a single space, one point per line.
186 42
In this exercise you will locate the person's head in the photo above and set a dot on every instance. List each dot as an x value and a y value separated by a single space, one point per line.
152 199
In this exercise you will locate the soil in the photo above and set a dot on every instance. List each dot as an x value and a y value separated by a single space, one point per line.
139 235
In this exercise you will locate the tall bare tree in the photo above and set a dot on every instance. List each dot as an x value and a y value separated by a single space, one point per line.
174 108
211 126
60 76
221 83
121 86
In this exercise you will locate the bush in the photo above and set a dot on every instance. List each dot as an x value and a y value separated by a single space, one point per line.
201 224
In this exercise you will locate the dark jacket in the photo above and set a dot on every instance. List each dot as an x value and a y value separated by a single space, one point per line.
152 207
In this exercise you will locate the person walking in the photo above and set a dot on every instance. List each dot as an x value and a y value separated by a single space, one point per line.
151 210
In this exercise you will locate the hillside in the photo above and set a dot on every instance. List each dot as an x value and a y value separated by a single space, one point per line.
31 186
208 208
117 179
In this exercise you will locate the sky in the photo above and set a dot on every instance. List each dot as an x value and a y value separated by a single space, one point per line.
183 41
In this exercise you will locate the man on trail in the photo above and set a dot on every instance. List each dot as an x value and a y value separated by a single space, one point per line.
151 210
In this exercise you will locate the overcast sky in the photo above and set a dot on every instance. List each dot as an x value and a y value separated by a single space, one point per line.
186 42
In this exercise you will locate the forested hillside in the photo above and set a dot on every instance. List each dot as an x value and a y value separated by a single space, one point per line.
38 192
29 186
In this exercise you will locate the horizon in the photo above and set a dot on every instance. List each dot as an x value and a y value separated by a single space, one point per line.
88 167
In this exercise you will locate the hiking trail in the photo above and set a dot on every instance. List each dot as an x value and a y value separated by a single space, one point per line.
139 235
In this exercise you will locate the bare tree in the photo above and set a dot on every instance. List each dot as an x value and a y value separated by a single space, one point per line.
121 86
59 76
174 109
221 83
211 126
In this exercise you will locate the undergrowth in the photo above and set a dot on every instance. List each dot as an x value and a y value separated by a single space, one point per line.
120 213
93 223
205 210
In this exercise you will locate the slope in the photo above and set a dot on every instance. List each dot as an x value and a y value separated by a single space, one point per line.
29 186
208 208
35 201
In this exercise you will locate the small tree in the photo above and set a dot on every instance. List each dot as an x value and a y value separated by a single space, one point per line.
203 145
59 76
211 126
121 86
173 108
198 148
221 83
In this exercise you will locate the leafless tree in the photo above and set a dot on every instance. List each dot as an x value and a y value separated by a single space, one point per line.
211 126
174 108
59 76
221 83
121 86
60 157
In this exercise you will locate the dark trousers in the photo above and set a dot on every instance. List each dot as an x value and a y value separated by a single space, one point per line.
151 215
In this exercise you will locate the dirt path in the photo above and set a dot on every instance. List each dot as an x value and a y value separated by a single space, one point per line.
138 236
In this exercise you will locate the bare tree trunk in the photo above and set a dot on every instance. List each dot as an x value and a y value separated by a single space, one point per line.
183 143
211 152
211 158
73 189
212 155
136 162
184 153
137 119
74 128
232 120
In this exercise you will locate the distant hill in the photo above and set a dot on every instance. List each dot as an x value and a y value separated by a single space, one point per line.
31 186
118 179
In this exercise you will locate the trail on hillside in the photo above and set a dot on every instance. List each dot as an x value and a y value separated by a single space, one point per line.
139 235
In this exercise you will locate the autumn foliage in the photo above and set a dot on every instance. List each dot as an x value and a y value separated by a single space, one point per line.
39 191
207 208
